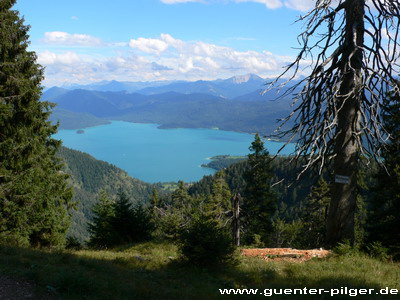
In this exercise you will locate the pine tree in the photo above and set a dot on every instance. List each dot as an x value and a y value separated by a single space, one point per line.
315 214
143 224
155 208
259 202
123 220
384 221
180 197
177 213
219 202
155 200
100 229
119 222
34 196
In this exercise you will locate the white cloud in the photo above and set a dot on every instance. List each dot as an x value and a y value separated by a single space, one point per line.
50 58
301 5
196 59
162 58
67 39
272 4
71 67
151 46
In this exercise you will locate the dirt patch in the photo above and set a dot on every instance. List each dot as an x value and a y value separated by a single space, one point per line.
16 289
285 254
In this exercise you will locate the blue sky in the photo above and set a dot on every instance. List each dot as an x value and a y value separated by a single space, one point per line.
145 40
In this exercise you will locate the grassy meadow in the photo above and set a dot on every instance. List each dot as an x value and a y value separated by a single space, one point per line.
153 270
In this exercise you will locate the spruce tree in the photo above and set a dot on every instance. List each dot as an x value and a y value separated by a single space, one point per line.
122 221
384 220
143 223
34 196
315 214
219 204
259 203
155 200
100 229
176 213
180 197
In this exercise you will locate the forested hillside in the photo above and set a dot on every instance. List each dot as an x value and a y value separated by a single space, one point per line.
88 177
294 198
75 120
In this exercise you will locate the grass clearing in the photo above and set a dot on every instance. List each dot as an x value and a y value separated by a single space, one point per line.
152 270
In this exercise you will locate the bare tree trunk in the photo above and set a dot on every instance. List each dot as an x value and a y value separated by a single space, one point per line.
236 219
340 223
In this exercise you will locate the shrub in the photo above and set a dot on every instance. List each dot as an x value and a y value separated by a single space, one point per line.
257 242
206 242
376 250
345 249
73 243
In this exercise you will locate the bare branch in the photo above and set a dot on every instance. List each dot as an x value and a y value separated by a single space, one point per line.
316 114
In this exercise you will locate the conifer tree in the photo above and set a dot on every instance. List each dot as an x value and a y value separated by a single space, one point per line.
143 223
155 200
384 221
259 200
122 221
219 202
315 214
119 222
34 196
100 229
180 197
177 213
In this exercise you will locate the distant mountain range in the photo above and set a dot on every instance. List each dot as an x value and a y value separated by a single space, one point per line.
117 86
225 88
235 104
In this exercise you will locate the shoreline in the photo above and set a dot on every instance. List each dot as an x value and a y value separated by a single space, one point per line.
166 127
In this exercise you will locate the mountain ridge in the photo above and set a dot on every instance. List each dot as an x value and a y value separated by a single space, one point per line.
226 88
180 104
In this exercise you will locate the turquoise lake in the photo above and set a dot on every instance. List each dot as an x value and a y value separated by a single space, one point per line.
160 155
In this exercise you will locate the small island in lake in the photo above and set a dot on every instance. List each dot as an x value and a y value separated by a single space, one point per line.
220 162
80 131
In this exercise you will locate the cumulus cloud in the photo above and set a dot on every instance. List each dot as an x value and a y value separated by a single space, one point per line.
68 39
71 67
272 4
161 58
199 59
50 58
301 5
151 46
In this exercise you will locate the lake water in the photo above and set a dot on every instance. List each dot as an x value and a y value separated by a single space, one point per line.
160 155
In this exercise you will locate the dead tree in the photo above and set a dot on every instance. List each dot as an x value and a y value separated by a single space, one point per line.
352 48
236 219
